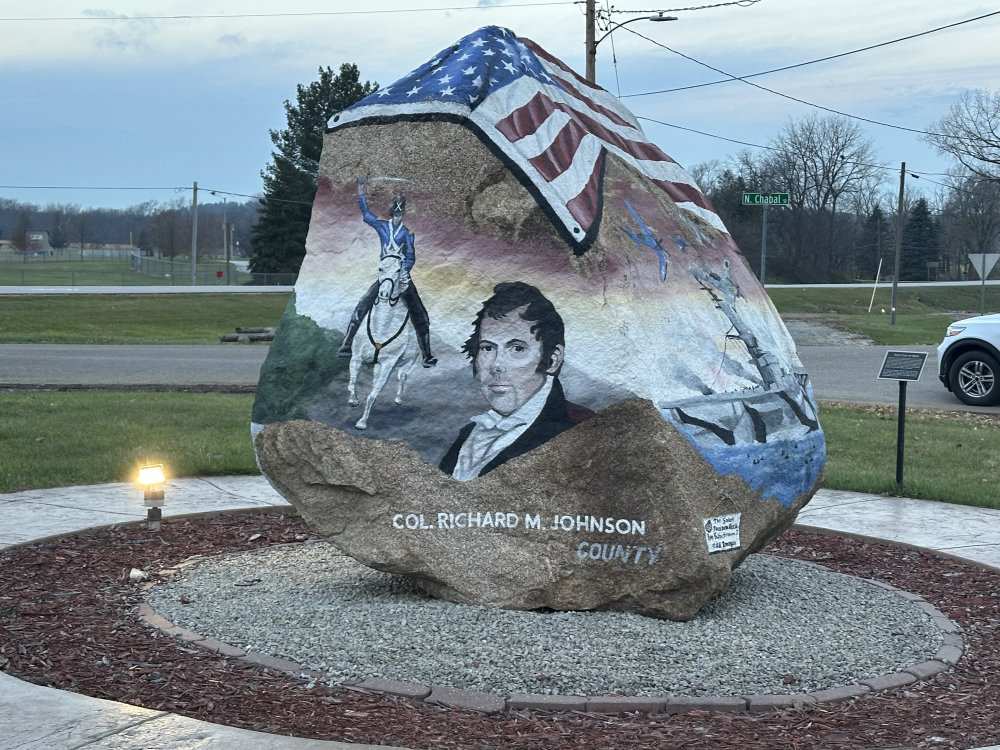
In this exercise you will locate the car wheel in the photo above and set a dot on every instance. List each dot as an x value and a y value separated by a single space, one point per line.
974 378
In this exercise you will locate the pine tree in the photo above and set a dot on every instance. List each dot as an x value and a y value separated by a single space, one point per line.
278 239
874 245
19 238
920 244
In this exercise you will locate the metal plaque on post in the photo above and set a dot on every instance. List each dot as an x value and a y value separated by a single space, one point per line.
904 367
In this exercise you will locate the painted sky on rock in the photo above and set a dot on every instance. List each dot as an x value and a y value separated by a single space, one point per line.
141 99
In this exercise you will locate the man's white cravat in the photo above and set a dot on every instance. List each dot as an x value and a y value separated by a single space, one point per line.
494 432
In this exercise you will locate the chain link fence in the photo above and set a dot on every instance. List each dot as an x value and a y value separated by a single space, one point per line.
125 267
231 274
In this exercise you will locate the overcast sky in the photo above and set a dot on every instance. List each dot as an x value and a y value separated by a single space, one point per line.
145 97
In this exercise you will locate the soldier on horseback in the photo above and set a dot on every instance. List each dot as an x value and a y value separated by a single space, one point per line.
395 239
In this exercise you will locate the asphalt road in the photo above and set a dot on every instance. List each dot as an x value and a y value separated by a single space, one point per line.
843 372
849 373
209 367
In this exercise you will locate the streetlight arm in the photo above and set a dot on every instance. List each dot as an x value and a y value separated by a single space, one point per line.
657 17
591 44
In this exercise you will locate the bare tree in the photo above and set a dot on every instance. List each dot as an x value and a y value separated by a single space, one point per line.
828 168
706 174
19 237
59 221
80 229
170 230
971 132
970 219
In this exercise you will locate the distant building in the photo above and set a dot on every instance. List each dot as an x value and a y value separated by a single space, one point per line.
38 241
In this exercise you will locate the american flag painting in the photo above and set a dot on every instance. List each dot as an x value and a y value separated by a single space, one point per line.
553 128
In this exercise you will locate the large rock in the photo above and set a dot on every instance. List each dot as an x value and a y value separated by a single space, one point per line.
593 519
662 421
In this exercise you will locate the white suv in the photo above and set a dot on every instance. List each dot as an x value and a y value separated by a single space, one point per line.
969 360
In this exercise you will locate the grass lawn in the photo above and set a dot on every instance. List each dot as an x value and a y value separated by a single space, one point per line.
134 318
59 272
68 269
59 438
922 316
62 438
922 313
948 456
85 437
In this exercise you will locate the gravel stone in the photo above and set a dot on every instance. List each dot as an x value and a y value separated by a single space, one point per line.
781 627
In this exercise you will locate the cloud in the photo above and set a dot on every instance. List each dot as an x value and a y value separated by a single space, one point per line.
115 67
233 40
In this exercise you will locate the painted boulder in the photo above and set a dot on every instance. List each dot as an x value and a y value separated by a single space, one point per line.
524 362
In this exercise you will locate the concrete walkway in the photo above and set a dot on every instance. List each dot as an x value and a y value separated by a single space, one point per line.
45 718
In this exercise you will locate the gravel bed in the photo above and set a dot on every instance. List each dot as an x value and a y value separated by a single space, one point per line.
782 627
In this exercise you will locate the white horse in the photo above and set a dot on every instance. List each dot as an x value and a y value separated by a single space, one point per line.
385 339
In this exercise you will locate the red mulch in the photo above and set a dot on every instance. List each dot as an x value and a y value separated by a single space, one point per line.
68 620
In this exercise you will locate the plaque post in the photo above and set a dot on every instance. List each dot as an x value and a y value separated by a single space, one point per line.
904 367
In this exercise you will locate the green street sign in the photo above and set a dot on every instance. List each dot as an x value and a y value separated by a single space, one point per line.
765 199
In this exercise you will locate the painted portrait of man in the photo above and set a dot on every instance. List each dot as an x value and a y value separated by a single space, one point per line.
516 350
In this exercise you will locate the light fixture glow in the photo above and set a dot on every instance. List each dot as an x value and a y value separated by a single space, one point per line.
151 478
150 475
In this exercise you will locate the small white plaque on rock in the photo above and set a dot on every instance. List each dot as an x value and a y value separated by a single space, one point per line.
722 533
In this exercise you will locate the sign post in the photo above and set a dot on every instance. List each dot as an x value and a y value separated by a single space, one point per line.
904 367
983 263
765 200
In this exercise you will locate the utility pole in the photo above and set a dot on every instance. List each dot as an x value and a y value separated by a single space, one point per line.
194 235
591 44
899 243
592 41
228 231
763 245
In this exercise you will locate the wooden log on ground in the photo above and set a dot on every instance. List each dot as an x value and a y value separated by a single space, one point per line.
245 338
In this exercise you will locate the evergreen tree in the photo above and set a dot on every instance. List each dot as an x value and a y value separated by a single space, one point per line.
874 244
278 239
920 244
59 230
19 237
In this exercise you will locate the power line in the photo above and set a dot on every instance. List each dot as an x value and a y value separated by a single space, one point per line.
181 188
261 198
953 188
818 60
914 173
732 77
85 187
787 96
741 3
603 15
811 104
304 14
701 132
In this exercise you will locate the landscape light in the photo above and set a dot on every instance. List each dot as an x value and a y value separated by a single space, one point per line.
152 479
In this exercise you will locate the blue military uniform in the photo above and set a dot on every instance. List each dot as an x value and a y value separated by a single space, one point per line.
394 239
